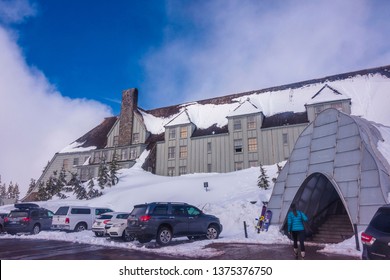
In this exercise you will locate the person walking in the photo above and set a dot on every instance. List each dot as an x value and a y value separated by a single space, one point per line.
296 229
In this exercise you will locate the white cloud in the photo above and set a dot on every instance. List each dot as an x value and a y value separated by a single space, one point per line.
235 46
36 121
15 11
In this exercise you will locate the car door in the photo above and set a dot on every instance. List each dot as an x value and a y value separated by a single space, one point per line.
179 220
196 223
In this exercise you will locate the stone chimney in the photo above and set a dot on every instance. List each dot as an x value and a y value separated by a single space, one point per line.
129 104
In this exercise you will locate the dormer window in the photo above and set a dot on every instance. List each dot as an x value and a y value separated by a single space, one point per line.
251 122
183 132
338 106
237 124
135 138
172 133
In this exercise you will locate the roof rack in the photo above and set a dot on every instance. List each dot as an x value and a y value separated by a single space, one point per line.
26 205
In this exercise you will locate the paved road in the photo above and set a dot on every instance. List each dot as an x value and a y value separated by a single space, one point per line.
24 249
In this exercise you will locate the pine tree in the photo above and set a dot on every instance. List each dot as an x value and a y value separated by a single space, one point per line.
31 186
102 175
62 183
92 192
43 194
263 181
16 192
10 191
3 191
114 167
77 186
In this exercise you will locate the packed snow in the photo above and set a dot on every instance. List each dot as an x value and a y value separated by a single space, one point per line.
232 197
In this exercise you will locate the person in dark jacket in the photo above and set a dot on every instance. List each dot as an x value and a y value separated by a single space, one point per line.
295 219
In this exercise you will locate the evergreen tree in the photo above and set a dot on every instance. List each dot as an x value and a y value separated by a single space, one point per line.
10 191
114 167
3 191
31 186
16 192
102 175
277 172
62 183
77 186
92 192
263 181
43 194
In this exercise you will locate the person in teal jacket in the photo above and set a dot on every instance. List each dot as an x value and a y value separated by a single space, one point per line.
295 219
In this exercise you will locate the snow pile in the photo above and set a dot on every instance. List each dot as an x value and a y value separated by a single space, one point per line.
233 197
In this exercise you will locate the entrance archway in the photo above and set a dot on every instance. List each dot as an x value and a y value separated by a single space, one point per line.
328 217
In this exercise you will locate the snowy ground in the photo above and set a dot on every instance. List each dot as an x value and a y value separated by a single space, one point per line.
230 197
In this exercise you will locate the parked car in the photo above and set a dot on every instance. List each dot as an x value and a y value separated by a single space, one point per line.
116 228
376 238
76 218
100 222
164 220
28 218
2 216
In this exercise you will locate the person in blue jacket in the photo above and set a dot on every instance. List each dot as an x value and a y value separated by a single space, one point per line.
295 219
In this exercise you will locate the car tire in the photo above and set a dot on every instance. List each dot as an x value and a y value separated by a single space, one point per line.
164 236
126 237
98 234
80 227
212 232
36 229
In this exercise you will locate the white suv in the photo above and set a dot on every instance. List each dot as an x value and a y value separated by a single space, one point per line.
76 218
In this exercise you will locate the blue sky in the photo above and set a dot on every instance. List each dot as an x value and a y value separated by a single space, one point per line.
64 63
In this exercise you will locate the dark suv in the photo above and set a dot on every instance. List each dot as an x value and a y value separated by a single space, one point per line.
28 217
164 220
376 238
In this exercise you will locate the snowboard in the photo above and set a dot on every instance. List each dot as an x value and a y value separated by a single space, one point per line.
267 220
260 220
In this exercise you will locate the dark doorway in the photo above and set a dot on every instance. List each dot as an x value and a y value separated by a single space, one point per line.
328 218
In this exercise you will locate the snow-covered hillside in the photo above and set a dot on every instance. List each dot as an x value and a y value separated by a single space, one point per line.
233 197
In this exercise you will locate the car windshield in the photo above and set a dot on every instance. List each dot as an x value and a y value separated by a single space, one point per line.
105 217
382 221
18 214
62 211
122 216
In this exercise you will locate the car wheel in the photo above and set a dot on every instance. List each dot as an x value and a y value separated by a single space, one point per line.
98 234
36 229
127 237
212 232
164 236
80 227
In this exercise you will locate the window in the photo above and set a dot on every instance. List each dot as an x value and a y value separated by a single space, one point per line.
209 147
238 165
116 141
135 138
338 106
96 157
124 154
209 168
133 153
285 139
318 109
251 122
238 145
172 133
160 210
252 144
182 170
104 155
237 125
80 211
171 152
183 132
76 161
253 163
65 164
183 152
171 171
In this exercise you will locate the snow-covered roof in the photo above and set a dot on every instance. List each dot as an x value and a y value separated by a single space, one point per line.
245 108
326 94
181 118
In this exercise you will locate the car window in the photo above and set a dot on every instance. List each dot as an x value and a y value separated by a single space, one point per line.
100 211
18 214
138 210
178 210
193 211
43 213
382 221
122 216
105 216
34 214
160 210
62 211
80 211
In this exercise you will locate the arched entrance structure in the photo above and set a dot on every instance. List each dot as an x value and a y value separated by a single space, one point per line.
337 167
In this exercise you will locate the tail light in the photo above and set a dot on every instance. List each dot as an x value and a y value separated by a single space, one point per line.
25 219
367 239
6 220
105 221
67 221
145 218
